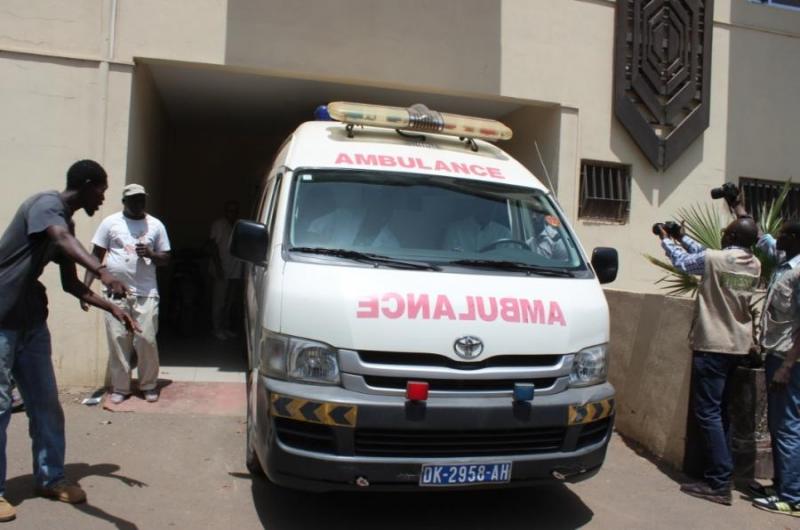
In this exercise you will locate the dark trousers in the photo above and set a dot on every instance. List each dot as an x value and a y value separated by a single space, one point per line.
784 426
711 373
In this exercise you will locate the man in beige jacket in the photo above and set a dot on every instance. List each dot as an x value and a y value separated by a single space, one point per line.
721 336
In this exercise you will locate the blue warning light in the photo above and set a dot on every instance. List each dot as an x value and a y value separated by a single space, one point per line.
321 113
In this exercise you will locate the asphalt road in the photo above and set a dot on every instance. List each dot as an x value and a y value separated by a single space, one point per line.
185 471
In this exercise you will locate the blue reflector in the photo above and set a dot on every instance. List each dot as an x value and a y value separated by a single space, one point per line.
321 113
523 391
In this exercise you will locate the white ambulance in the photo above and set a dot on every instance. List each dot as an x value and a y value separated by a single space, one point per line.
419 312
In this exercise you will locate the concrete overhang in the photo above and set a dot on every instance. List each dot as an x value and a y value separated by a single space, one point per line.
261 101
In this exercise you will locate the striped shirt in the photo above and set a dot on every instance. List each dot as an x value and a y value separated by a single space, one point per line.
688 257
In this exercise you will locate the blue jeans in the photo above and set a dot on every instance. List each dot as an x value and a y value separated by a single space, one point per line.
783 416
710 375
26 355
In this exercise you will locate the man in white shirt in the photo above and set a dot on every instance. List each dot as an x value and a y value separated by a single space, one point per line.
226 272
133 244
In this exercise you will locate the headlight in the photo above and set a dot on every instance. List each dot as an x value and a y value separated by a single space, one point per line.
296 359
590 366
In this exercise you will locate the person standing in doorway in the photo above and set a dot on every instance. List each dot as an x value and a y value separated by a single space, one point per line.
41 231
133 243
226 273
721 337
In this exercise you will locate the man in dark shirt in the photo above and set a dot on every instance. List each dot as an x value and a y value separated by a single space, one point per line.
42 231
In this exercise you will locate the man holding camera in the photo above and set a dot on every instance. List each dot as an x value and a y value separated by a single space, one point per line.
780 325
721 336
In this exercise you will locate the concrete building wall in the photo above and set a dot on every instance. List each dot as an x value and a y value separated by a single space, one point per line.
56 111
565 56
451 44
53 27
69 92
650 368
183 30
763 80
149 133
534 126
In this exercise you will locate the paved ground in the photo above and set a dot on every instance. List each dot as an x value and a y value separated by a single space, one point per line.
183 469
201 358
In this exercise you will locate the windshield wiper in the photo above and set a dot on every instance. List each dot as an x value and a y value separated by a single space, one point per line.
367 257
513 266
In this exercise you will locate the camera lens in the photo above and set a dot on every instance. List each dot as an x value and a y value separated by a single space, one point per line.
673 229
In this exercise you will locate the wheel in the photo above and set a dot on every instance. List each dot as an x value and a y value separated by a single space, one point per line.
251 457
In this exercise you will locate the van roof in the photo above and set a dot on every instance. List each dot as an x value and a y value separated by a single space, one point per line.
325 144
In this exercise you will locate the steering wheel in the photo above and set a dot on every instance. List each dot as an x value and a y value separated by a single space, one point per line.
504 240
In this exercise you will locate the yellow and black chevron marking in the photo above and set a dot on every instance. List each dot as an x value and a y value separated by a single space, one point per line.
590 412
314 411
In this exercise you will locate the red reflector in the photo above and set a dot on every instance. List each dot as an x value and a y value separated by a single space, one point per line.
417 391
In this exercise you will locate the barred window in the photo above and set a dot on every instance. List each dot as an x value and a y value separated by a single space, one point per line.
605 191
759 193
790 4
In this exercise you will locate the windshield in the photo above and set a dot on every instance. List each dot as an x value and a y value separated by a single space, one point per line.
435 220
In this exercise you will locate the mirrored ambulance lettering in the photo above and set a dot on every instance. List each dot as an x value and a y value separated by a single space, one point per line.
422 306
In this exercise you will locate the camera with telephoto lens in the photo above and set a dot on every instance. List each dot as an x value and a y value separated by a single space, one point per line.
672 229
728 191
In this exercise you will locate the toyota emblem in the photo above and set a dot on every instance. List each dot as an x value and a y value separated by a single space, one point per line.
468 347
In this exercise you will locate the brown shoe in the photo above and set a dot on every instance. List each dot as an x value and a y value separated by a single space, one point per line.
7 511
63 491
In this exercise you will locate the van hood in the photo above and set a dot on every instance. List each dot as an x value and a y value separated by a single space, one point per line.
381 309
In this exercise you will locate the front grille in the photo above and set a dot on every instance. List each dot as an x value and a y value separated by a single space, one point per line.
307 436
474 385
593 433
421 444
430 359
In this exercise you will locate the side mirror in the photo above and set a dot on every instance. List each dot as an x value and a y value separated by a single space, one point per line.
249 242
606 264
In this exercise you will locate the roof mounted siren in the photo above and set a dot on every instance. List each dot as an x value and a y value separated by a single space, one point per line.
418 118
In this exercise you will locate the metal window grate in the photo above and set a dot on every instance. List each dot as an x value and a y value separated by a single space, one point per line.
759 193
605 191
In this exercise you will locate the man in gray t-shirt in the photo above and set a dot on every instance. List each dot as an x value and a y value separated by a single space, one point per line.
42 231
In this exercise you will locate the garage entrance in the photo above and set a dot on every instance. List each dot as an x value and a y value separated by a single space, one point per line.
202 136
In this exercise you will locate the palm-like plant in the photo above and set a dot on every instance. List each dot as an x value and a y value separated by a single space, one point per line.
704 224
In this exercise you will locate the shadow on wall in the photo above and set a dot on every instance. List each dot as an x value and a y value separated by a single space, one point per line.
651 370
648 178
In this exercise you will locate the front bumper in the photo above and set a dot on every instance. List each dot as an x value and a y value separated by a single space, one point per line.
357 439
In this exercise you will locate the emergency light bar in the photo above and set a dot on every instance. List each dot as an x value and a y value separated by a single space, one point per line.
418 118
